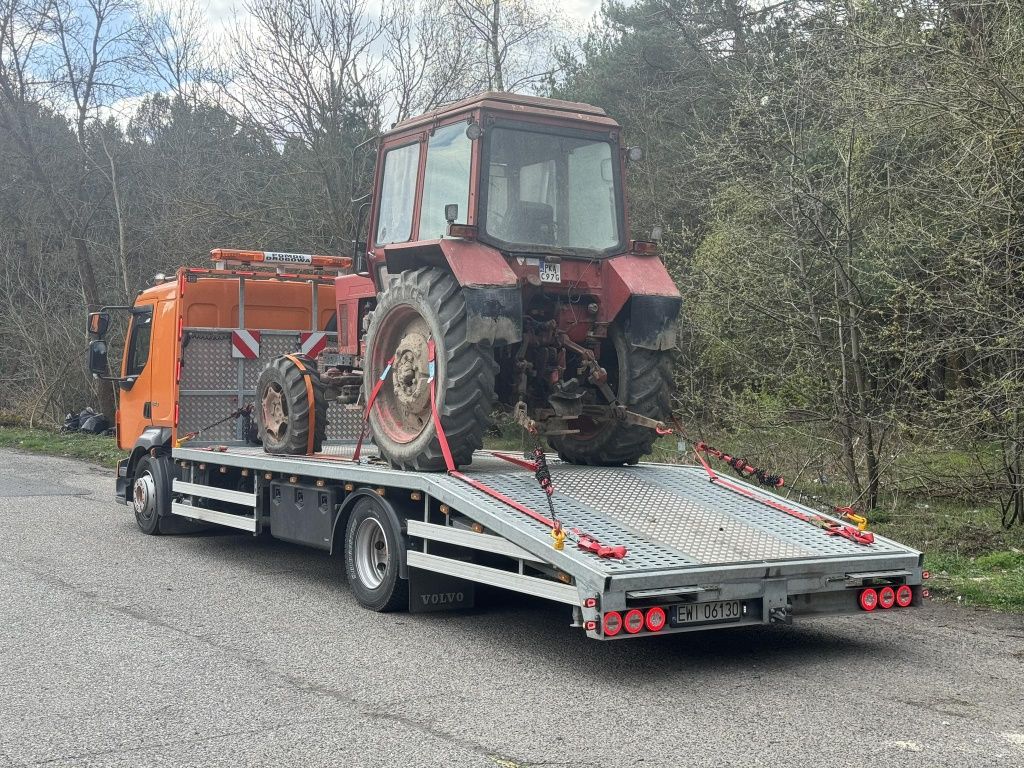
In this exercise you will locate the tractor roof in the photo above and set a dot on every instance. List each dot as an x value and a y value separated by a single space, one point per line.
515 103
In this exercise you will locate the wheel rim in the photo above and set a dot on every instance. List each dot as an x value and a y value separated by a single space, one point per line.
275 411
403 404
370 553
144 496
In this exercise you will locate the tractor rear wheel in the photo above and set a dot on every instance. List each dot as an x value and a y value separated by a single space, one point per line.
642 379
285 412
418 306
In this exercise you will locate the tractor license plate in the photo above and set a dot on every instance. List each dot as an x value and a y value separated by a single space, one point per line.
550 273
709 613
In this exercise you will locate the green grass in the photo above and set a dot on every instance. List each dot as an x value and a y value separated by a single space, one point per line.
101 450
995 580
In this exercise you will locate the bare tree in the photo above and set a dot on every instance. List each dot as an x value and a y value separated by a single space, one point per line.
429 58
73 58
514 40
305 72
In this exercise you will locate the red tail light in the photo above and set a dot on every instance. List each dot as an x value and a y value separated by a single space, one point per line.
590 626
655 620
904 596
612 623
886 597
868 599
925 575
925 593
633 621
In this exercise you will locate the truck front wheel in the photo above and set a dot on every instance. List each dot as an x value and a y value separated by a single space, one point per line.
373 558
151 493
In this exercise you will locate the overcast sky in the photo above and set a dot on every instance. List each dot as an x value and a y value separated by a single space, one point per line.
220 12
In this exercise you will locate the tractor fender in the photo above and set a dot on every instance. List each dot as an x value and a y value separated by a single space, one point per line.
396 522
642 288
151 437
494 302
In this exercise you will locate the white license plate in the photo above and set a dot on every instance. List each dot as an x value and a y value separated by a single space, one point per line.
709 613
550 273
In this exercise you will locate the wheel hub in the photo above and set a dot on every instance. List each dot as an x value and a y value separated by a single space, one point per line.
370 553
411 375
144 495
274 416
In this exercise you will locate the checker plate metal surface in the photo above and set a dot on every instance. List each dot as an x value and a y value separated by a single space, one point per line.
209 373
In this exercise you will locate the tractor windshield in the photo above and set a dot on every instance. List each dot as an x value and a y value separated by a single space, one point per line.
550 192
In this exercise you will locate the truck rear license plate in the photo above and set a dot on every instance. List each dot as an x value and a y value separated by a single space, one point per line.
550 273
709 613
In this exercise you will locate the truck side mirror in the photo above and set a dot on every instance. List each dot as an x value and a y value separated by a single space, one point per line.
98 356
99 322
358 244
451 212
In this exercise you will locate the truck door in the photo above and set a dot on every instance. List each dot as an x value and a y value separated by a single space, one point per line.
135 410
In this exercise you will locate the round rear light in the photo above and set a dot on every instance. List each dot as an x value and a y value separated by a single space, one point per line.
868 599
926 593
612 623
904 596
633 621
886 597
925 575
655 620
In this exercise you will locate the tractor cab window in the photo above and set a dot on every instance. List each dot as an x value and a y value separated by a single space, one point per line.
138 341
397 194
446 179
546 189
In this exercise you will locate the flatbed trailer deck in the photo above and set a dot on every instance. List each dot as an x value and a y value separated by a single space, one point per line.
707 556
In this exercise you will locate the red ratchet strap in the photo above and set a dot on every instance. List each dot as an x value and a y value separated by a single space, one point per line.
583 540
831 527
369 405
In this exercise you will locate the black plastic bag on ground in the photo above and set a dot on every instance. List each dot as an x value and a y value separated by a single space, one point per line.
96 424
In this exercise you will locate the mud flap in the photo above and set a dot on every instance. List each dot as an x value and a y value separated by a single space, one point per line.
652 321
495 314
431 592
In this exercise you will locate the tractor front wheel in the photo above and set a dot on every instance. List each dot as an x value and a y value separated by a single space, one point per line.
418 306
642 379
291 408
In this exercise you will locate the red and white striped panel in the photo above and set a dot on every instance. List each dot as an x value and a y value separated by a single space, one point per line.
245 344
312 343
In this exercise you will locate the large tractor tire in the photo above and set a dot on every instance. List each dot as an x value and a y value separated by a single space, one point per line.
642 379
417 306
290 405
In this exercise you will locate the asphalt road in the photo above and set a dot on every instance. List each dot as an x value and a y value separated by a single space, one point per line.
118 649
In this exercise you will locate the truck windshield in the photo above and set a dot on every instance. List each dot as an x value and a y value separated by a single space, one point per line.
550 192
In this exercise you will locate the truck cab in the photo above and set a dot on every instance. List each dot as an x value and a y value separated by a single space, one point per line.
249 297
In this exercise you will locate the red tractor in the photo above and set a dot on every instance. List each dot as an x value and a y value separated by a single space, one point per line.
497 245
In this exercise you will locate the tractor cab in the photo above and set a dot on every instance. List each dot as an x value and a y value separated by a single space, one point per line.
520 174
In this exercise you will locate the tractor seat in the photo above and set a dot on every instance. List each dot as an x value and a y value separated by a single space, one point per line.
532 223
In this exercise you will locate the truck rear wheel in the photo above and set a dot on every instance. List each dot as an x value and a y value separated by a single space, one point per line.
418 306
644 383
284 412
373 558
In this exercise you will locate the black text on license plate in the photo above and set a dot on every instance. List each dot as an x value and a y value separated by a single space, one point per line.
709 613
